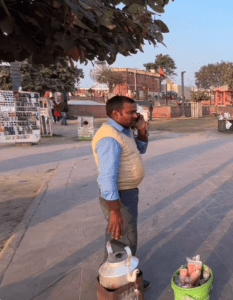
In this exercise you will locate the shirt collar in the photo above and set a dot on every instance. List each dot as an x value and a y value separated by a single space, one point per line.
115 124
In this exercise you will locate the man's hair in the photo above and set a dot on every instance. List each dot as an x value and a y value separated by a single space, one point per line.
117 103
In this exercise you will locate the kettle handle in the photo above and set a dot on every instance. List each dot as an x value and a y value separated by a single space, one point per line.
123 246
118 244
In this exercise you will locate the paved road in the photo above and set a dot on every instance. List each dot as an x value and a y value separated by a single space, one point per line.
185 208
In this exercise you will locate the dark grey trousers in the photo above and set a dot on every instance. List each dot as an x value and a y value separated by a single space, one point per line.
129 210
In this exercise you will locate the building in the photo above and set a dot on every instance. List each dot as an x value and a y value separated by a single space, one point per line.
172 87
139 83
98 90
223 96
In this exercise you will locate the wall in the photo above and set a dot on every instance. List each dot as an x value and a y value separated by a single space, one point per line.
213 109
169 111
97 111
208 102
205 110
176 111
168 102
97 99
225 109
160 111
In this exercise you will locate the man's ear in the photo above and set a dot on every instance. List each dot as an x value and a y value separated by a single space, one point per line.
115 114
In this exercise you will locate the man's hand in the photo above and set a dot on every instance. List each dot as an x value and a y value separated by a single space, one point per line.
115 220
141 127
115 224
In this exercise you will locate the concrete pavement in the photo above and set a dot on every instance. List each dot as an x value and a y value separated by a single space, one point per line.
185 208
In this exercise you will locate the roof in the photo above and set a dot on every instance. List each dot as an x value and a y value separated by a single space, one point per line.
84 102
137 71
100 86
224 88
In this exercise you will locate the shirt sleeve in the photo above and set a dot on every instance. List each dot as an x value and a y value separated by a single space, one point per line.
142 146
108 151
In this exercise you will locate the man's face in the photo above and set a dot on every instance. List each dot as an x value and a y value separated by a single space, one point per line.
127 116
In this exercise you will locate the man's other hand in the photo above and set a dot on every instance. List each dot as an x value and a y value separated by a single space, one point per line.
115 224
115 221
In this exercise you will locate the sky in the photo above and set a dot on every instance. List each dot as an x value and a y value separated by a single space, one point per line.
200 33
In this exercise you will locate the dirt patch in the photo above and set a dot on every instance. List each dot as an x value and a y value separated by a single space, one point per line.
184 125
177 125
16 194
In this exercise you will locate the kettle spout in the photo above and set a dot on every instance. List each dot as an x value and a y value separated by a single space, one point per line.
132 276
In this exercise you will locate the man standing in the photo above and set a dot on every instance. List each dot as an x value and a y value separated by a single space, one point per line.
117 154
64 111
151 109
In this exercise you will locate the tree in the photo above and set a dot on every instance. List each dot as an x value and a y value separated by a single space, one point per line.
228 76
104 74
165 62
56 78
5 77
212 75
199 96
43 31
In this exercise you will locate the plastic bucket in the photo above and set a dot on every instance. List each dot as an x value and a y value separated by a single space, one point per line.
198 293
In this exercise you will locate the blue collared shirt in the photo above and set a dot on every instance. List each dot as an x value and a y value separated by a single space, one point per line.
108 151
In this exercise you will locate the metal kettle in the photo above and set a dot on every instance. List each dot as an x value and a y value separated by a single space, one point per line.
120 267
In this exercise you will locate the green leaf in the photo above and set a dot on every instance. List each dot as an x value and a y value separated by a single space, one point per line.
107 23
156 8
159 2
127 2
81 24
135 8
159 37
64 41
88 5
162 25
6 25
116 2
108 13
154 28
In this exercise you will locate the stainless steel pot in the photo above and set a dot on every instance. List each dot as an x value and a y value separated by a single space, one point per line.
120 267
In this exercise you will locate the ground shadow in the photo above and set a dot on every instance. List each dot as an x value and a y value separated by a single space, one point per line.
44 158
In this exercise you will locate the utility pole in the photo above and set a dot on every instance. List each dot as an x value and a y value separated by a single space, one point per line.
159 84
182 84
135 79
135 82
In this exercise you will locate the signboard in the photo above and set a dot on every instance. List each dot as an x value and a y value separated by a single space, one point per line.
85 128
46 118
19 117
16 75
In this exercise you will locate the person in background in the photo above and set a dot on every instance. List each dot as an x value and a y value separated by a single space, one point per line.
117 153
57 113
52 108
151 109
63 107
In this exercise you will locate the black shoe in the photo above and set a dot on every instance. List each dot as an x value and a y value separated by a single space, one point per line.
146 285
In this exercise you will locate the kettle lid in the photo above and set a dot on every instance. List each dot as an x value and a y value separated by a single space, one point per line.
117 257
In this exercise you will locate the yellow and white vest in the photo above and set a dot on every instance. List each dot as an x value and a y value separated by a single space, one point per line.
131 170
